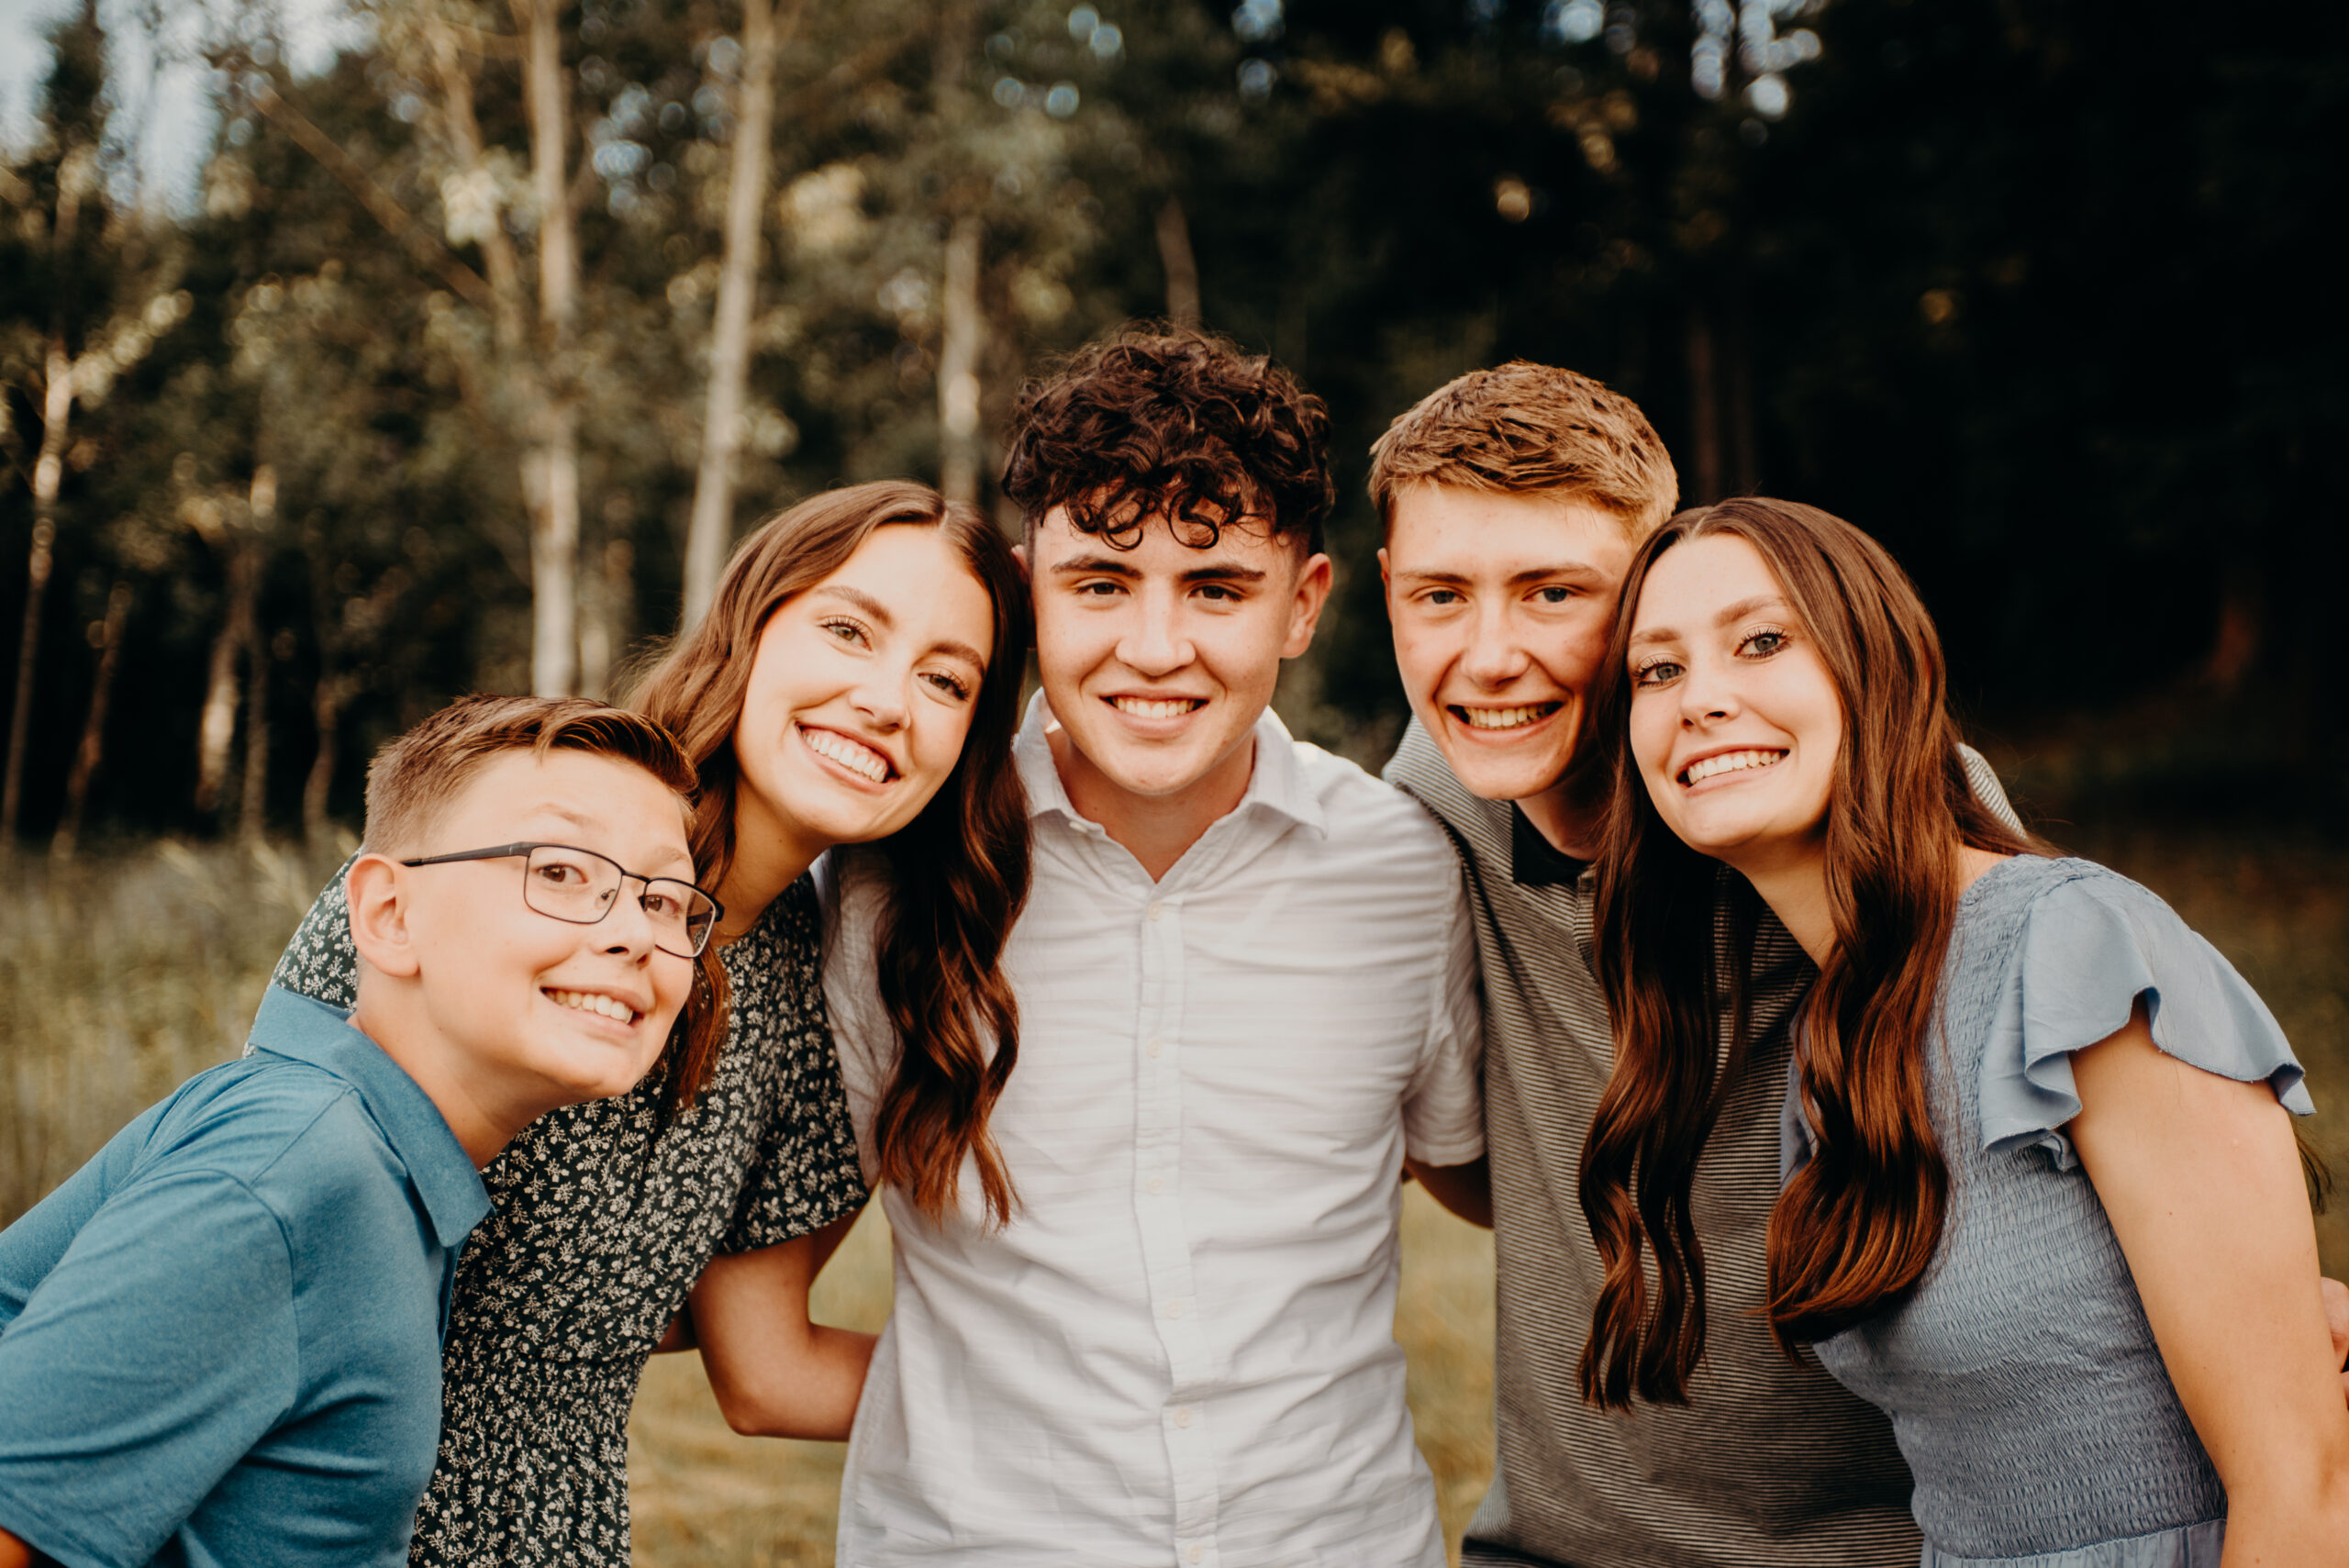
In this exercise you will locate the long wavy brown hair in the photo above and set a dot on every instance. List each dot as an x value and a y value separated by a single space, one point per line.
956 874
1854 1229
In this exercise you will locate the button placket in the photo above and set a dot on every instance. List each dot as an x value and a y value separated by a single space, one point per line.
1158 1211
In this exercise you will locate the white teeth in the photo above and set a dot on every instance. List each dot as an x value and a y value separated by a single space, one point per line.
1505 717
856 758
590 1002
1146 708
1728 763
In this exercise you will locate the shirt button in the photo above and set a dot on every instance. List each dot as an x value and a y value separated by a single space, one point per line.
1155 910
1156 1046
1157 1185
1174 1310
1194 1553
1181 1415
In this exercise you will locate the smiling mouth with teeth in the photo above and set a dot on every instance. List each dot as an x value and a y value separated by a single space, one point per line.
1696 772
592 1002
833 747
1158 707
1505 717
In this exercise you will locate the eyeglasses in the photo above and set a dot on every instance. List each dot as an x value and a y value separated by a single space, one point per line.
566 883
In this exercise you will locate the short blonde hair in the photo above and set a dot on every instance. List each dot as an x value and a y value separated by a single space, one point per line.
413 779
1522 427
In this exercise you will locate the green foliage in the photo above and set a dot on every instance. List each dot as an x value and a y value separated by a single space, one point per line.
2036 294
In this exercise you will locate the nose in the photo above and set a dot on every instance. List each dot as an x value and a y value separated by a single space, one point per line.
1494 656
881 699
628 931
1707 692
1155 642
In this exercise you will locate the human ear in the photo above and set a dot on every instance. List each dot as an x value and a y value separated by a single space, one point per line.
1305 609
377 893
1385 569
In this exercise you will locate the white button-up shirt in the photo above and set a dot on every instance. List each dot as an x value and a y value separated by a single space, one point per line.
1181 1350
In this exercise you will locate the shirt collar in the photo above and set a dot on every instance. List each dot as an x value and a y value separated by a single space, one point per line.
1533 861
292 1025
1276 785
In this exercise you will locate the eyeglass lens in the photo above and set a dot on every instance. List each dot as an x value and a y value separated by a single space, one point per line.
580 886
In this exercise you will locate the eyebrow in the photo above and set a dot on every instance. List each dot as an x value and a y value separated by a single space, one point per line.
887 622
592 826
1114 566
1733 613
1515 579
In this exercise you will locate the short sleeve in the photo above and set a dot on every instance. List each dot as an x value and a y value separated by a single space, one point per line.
320 962
2090 947
1443 1116
804 1174
144 1367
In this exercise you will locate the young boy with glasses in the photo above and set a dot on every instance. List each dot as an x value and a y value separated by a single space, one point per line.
221 1339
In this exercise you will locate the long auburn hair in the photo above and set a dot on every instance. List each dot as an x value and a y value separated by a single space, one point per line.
1854 1229
956 874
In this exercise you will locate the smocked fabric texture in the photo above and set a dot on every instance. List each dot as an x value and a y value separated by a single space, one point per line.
604 1216
2021 1377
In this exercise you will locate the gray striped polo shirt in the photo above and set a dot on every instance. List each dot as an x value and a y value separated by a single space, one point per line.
1771 1463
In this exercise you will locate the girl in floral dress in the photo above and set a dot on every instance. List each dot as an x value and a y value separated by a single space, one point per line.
855 682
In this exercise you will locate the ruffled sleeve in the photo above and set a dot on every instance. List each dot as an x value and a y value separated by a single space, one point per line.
2090 947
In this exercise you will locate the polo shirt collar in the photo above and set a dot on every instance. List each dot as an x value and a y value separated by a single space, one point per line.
1277 784
1533 861
291 1025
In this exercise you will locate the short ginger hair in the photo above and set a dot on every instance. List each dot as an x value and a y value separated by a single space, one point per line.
1523 429
414 778
1172 422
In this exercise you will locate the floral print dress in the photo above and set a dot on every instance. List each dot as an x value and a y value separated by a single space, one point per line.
604 1214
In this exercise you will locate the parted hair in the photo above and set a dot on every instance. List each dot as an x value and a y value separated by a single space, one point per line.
1854 1229
413 779
1173 422
956 875
1522 427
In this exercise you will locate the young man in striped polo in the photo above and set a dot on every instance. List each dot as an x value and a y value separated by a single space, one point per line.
1513 500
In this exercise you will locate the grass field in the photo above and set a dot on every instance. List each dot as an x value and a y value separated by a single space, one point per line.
124 974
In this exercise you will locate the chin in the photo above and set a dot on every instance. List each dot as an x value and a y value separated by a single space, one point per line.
1507 778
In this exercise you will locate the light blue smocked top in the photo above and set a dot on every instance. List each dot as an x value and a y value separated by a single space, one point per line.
2022 1378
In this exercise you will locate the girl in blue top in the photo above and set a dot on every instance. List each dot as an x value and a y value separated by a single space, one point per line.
2045 1204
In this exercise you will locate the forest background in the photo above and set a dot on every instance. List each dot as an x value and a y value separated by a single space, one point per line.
471 345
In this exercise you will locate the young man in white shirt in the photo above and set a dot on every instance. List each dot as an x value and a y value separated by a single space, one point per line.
1247 990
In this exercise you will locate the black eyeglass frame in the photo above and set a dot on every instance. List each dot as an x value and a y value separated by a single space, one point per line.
503 851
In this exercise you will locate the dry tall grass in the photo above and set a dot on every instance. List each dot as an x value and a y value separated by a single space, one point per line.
121 975
125 973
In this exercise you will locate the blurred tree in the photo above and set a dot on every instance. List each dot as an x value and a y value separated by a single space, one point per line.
2038 298
91 298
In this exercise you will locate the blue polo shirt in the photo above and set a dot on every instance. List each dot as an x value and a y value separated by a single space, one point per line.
220 1339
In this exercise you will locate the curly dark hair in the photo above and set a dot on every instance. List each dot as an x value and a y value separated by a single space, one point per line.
1175 422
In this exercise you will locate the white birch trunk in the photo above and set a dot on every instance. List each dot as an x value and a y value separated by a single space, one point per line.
551 459
730 349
